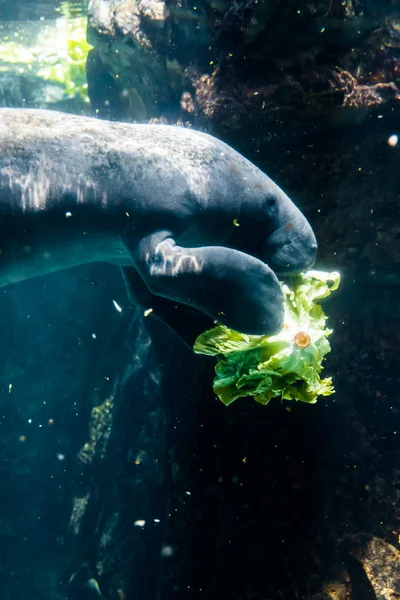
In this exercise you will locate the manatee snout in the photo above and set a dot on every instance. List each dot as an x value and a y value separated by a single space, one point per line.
291 248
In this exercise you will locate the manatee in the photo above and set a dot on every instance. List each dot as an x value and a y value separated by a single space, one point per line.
200 233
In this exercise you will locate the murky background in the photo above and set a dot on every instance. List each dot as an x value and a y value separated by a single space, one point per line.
122 477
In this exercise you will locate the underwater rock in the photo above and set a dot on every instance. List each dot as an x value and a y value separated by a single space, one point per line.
110 17
131 38
381 564
326 95
118 517
79 506
82 586
99 431
236 65
339 588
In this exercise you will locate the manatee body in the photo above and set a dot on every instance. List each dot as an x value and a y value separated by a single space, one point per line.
192 223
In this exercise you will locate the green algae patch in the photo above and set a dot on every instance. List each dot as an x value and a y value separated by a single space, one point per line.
287 365
54 51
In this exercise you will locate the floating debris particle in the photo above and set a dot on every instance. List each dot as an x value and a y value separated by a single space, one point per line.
392 141
117 306
10 388
140 523
167 551
148 312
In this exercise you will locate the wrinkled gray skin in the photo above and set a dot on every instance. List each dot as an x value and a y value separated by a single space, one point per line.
199 230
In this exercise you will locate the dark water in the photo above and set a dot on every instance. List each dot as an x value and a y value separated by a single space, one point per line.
122 476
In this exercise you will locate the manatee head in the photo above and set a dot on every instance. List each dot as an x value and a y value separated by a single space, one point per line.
290 245
274 229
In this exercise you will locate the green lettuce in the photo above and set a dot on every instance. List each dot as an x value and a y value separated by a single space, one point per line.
286 365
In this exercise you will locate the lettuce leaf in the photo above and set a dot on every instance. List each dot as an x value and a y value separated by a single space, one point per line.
286 365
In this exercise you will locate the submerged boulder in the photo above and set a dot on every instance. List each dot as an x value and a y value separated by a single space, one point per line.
235 65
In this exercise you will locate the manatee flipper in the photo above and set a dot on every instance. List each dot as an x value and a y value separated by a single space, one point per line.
187 322
229 286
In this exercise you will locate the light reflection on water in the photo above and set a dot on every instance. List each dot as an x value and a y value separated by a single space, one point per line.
34 10
43 54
